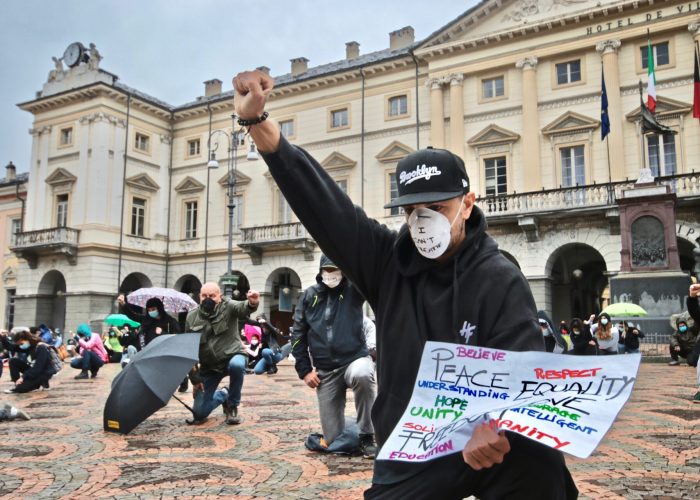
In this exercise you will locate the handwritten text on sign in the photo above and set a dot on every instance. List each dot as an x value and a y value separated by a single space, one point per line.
565 402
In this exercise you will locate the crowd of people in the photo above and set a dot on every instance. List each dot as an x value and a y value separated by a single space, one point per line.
432 280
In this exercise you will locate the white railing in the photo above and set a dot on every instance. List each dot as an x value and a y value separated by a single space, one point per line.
47 237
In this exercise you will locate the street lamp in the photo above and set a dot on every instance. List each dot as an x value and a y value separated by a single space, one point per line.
236 139
210 165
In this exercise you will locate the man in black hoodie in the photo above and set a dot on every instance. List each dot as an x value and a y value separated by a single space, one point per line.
328 336
442 278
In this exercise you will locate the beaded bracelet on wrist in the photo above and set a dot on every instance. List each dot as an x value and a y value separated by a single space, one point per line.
254 121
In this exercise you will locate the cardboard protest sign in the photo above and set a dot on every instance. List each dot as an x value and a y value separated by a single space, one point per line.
565 402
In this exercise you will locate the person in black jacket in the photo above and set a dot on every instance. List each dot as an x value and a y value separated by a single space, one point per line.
630 336
154 322
582 339
36 370
331 353
440 278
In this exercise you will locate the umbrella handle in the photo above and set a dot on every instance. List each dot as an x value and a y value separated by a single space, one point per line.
184 404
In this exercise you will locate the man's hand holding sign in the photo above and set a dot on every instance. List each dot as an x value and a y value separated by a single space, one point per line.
565 402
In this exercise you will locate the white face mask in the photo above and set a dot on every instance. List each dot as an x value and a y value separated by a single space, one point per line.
331 278
431 231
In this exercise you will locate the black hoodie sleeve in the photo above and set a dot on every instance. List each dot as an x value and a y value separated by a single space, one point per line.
359 245
693 308
129 311
300 342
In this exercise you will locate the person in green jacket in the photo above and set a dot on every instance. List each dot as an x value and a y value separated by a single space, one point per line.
112 345
221 352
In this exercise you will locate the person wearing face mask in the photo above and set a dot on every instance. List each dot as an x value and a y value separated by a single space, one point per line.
605 334
331 354
581 338
154 321
112 345
683 342
221 352
441 278
35 369
93 354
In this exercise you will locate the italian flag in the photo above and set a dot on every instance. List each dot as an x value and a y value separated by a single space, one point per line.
651 84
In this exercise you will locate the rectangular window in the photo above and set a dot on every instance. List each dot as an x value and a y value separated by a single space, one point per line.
142 142
339 118
10 308
661 53
190 220
238 212
568 72
493 87
66 137
193 146
15 229
287 128
138 216
393 194
662 154
284 212
62 210
398 105
495 176
572 166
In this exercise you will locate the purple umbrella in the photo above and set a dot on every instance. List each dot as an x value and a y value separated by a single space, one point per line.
174 302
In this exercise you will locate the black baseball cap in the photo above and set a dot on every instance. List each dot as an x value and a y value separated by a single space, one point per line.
429 175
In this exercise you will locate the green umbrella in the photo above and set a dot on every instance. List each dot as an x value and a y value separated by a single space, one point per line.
624 310
121 320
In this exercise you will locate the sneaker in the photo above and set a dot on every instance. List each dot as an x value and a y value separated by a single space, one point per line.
45 386
81 375
696 398
273 370
368 447
20 414
93 373
673 362
11 391
182 388
196 421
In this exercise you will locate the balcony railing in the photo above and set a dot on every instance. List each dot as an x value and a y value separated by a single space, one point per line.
255 240
30 245
588 196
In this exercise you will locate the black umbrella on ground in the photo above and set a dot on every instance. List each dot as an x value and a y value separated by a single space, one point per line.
147 383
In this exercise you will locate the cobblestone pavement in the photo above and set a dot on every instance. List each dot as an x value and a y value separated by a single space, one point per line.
653 450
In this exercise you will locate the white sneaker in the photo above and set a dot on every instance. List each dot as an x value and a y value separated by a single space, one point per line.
10 391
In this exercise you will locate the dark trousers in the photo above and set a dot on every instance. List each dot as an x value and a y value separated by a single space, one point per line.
17 368
529 471
88 360
690 356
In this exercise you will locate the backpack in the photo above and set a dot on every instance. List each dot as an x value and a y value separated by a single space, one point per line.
56 362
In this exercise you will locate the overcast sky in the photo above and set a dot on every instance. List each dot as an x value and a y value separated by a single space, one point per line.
167 48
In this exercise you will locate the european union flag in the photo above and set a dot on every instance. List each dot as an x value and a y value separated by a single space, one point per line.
604 118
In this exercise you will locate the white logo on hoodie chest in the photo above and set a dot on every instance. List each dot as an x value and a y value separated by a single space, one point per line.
467 331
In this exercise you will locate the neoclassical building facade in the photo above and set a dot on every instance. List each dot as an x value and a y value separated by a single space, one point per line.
121 196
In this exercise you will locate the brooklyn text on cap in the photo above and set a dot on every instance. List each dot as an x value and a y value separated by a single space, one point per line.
429 175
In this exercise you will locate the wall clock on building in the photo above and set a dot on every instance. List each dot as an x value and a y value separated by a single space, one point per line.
73 54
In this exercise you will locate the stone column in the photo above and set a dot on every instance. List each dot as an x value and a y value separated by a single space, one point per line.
616 157
457 138
437 114
531 126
